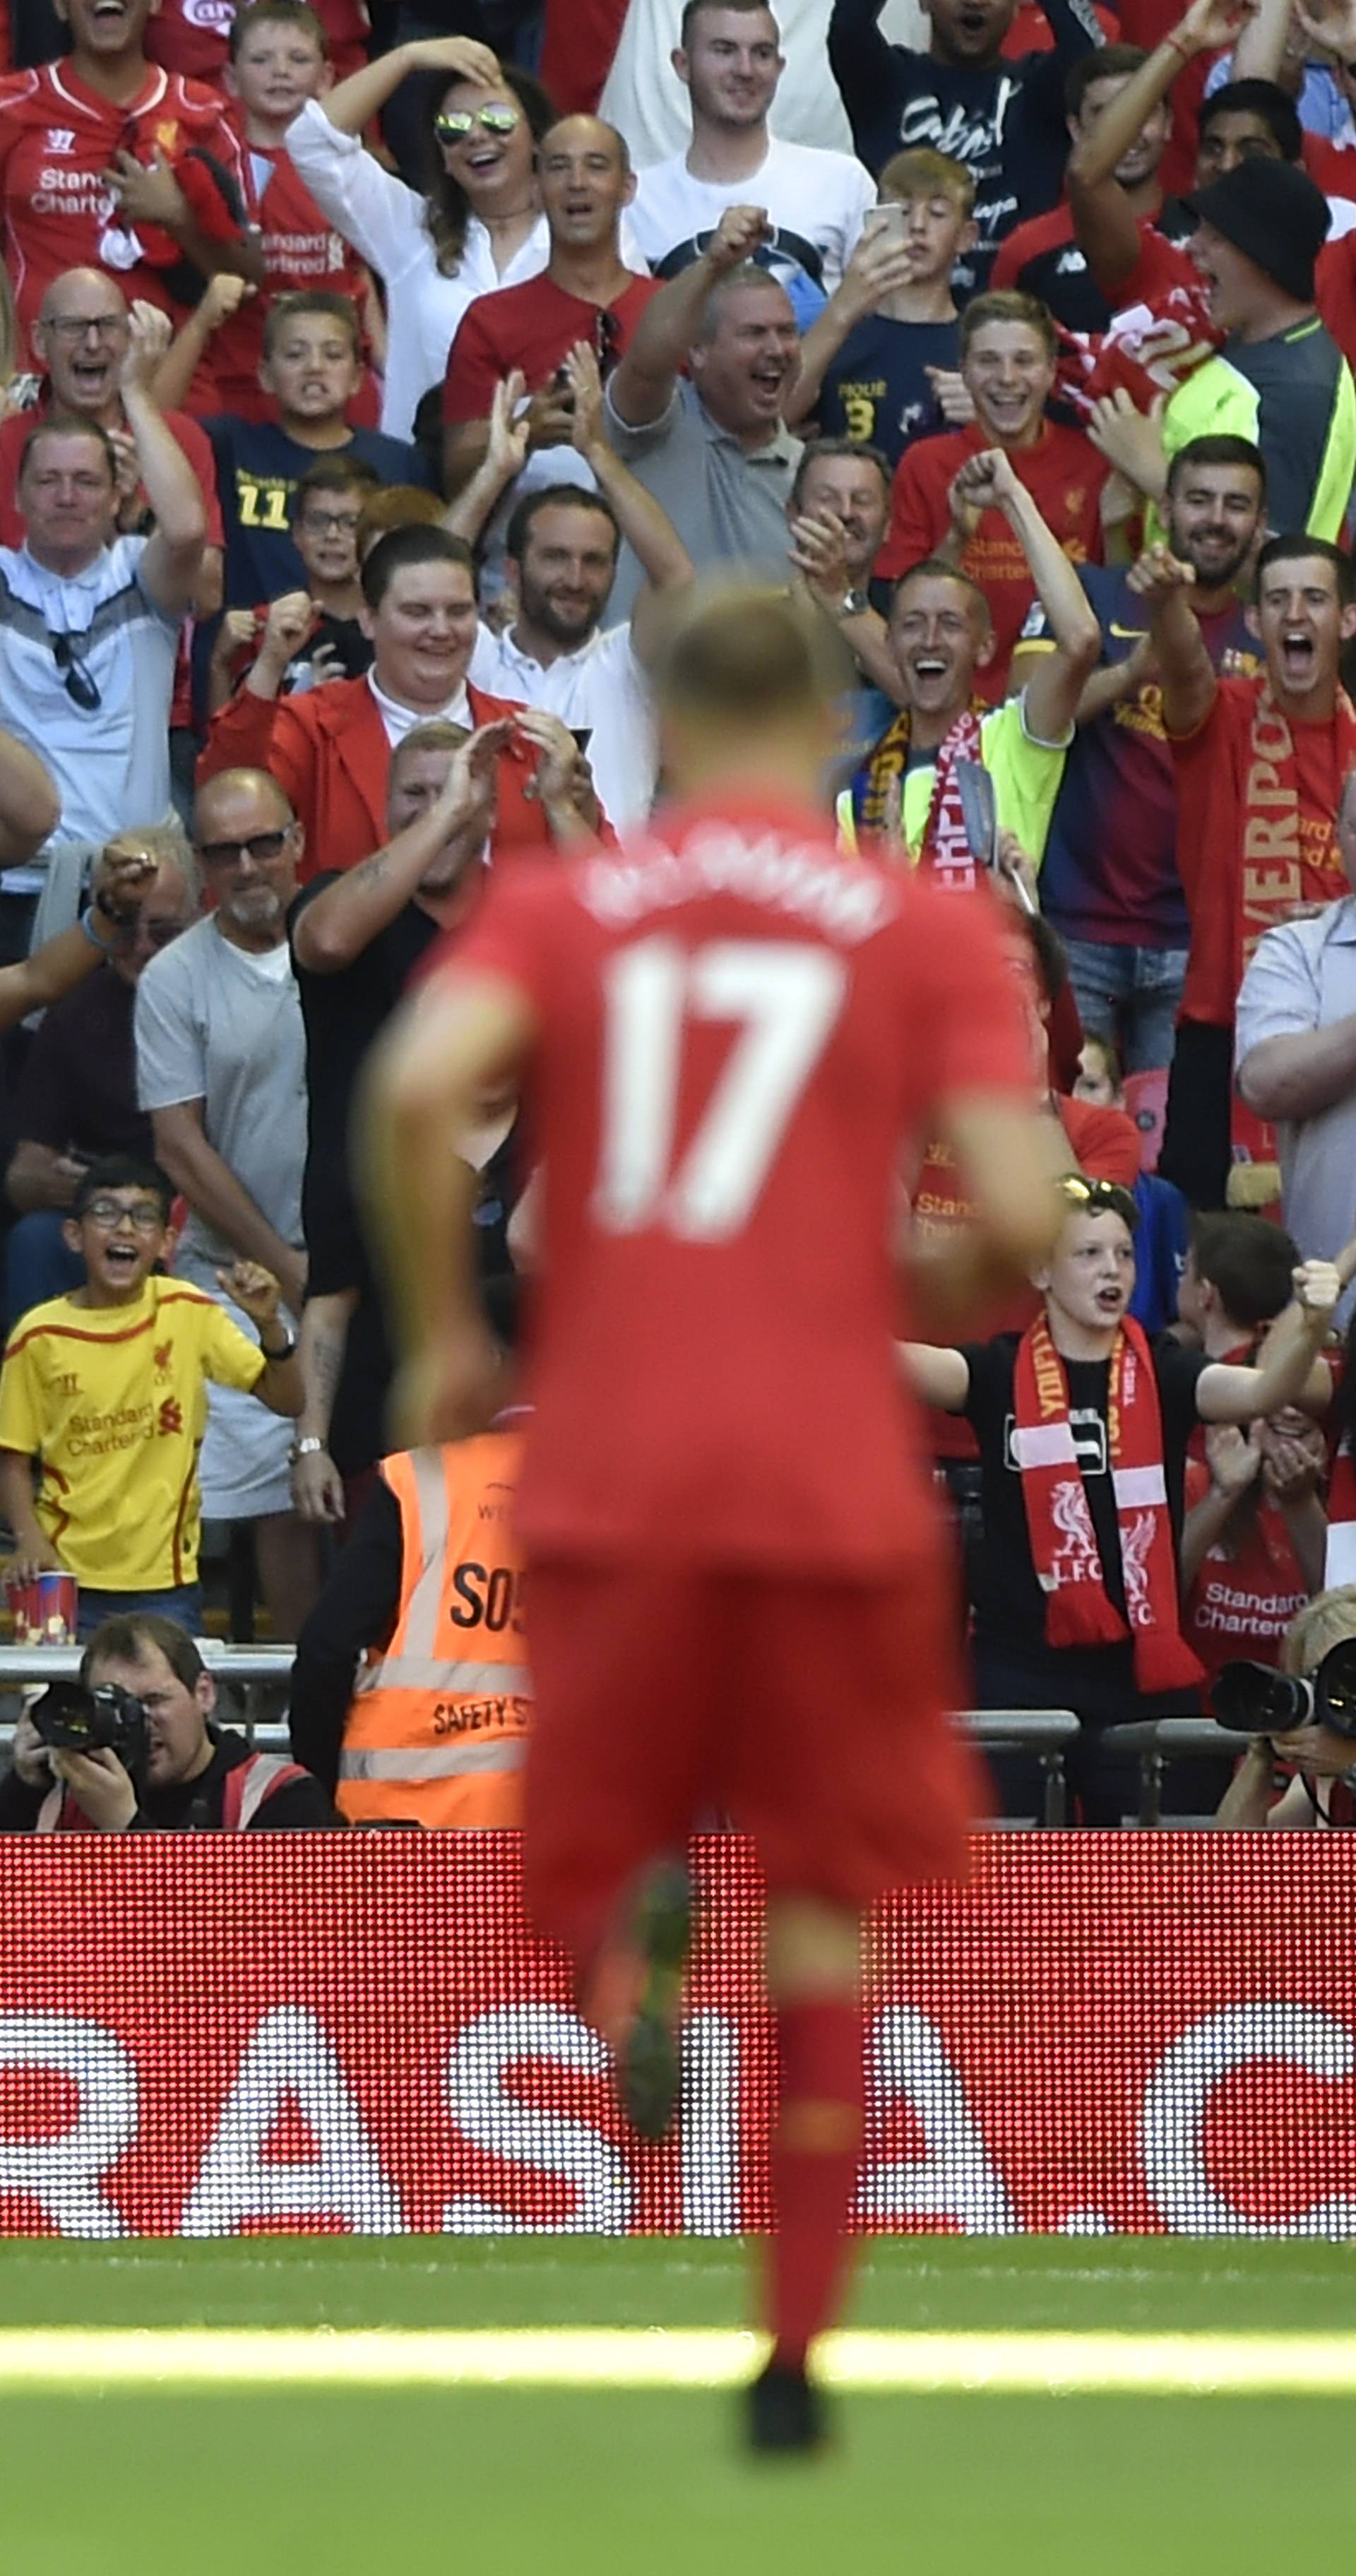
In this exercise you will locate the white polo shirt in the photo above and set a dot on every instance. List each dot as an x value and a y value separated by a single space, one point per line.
110 763
816 202
601 693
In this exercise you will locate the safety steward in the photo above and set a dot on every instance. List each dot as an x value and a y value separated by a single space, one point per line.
431 1728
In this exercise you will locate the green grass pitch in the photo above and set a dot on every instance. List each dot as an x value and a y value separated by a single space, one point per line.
542 2482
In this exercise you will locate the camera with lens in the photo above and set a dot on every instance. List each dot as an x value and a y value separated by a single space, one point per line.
72 1719
1254 1699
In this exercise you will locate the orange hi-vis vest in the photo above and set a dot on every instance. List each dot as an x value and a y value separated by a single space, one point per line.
437 1730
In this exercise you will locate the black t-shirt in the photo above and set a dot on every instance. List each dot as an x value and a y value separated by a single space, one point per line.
258 470
78 1089
1005 123
1010 1610
876 389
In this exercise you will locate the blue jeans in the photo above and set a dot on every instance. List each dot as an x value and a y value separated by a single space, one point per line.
38 1264
1129 996
183 1601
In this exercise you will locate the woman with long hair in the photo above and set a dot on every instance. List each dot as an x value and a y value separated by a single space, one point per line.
479 226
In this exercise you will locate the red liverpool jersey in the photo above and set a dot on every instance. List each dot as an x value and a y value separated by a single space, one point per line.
301 250
741 1038
56 136
193 36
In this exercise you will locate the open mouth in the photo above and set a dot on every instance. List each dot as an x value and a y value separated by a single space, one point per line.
1110 1300
108 14
973 22
929 666
483 162
122 1260
1298 654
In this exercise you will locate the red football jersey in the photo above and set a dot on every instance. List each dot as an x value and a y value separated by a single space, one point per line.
192 35
301 250
56 136
741 1039
1064 475
533 326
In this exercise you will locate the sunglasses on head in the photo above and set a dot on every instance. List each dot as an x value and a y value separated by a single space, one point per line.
79 682
454 124
1094 1196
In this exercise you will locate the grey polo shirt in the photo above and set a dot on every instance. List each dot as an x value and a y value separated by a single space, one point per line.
727 502
1303 977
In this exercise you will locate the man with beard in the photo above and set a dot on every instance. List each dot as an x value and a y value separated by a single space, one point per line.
1261 764
562 548
1004 120
1109 884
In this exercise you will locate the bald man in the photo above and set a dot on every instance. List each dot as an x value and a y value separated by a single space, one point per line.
221 1072
80 336
585 292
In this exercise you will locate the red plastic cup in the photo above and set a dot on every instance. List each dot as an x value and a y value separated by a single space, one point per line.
45 1610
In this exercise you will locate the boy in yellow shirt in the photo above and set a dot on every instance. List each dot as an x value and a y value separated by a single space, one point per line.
107 1389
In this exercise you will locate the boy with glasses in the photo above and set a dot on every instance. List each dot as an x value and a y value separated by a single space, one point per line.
107 1388
326 508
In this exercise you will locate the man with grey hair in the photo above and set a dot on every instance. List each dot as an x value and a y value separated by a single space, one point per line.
712 446
221 1071
1295 1058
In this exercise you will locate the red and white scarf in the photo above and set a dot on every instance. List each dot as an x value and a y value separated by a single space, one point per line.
1059 1523
878 799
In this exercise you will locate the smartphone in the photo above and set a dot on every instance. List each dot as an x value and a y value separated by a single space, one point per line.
890 218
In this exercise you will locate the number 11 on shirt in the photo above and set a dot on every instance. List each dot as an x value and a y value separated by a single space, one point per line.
784 999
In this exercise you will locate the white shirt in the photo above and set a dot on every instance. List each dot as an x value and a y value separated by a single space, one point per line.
110 764
601 693
386 223
400 720
646 99
817 201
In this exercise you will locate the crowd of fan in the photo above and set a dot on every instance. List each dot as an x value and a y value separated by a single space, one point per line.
363 415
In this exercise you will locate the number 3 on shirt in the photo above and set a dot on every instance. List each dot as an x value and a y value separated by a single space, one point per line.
784 1000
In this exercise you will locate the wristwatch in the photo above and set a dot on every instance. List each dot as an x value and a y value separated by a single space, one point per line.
287 1352
310 1447
854 603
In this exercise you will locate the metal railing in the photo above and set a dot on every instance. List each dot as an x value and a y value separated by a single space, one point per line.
255 1673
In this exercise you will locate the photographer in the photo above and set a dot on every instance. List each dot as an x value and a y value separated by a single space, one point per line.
181 1773
1323 1789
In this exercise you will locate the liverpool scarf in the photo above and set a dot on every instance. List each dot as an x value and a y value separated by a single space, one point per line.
1278 871
878 797
1059 1523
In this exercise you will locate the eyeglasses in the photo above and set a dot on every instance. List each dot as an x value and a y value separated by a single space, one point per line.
147 1216
606 339
456 124
73 326
79 682
329 523
259 848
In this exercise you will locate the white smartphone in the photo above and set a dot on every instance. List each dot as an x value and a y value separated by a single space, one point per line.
888 218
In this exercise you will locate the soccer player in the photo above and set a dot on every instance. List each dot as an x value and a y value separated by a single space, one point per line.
729 1038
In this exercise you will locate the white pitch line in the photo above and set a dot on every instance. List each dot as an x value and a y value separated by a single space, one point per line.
75 2358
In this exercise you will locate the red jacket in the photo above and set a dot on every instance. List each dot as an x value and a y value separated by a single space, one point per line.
328 750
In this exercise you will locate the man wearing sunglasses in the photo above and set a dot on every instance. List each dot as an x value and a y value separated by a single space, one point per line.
221 1071
89 620
586 292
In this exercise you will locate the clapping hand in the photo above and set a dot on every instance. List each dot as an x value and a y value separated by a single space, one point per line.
510 427
149 332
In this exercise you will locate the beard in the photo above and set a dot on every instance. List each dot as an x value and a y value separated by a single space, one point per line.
567 629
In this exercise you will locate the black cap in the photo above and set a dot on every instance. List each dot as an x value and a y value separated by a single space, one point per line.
1275 214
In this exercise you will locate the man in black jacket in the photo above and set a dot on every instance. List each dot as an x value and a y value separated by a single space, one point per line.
196 1776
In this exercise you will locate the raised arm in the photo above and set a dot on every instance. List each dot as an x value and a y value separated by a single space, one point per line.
641 388
989 482
1289 1371
879 265
644 522
174 549
344 918
222 296
938 1377
1105 223
34 983
1184 665
861 60
352 103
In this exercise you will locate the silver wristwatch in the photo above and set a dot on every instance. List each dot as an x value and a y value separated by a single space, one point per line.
854 603
310 1447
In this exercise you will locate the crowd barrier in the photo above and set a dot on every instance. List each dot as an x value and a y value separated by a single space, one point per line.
208 2035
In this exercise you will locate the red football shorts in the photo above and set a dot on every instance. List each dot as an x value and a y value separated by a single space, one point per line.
810 1714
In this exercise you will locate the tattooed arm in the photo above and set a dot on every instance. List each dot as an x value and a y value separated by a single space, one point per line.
339 923
317 1486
